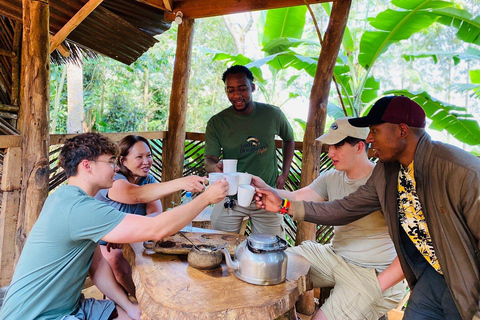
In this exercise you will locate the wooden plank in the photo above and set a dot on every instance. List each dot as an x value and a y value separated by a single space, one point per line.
8 115
7 53
9 108
62 48
174 148
194 9
155 3
33 120
316 120
11 186
63 33
60 138
10 141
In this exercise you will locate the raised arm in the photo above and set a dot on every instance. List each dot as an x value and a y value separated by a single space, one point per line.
129 193
135 228
288 148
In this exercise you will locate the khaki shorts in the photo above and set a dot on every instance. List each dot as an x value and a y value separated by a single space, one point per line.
91 309
356 292
262 221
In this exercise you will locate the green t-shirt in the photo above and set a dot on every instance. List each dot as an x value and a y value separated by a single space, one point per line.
249 138
52 268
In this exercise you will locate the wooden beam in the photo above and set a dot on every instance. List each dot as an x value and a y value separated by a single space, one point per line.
195 9
168 4
63 33
10 141
61 138
316 120
174 150
34 111
159 4
62 48
7 53
8 115
11 186
6 107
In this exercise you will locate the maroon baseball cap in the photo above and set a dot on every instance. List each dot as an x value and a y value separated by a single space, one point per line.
393 109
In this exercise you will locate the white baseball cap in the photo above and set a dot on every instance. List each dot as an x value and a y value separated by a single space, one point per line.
340 129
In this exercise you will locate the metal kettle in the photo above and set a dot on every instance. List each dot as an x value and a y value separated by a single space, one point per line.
259 259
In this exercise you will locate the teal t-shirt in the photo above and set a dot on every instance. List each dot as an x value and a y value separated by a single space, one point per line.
249 138
54 263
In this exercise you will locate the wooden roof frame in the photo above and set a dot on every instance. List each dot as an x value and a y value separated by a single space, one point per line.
27 153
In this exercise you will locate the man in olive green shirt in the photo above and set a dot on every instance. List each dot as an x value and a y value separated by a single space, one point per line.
246 131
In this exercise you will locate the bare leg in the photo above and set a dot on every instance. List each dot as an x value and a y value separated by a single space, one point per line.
120 267
123 315
319 315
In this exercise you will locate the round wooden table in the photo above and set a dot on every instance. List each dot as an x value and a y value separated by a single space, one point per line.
168 288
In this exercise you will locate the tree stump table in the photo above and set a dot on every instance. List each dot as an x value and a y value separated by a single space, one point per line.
168 288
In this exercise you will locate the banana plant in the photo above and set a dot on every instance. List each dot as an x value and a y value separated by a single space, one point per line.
358 88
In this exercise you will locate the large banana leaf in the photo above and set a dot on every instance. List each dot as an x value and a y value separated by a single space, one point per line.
455 120
392 26
281 23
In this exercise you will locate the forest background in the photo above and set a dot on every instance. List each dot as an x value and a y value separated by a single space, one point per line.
114 97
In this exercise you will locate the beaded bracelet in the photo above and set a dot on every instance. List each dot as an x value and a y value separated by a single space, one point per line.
285 206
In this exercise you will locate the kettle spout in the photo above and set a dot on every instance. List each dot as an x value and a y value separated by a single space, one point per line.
230 263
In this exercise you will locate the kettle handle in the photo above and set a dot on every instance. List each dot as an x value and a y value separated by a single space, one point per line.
281 243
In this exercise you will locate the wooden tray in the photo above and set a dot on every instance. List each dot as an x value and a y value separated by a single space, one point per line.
176 244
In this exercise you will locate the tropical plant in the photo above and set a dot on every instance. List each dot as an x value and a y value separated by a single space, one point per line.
353 72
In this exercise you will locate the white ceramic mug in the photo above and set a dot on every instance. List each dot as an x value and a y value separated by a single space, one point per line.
214 176
229 165
244 178
245 194
232 179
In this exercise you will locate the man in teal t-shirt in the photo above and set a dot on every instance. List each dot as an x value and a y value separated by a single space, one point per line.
62 244
246 131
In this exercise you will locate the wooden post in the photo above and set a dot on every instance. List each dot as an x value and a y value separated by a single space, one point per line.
11 186
33 120
174 147
316 120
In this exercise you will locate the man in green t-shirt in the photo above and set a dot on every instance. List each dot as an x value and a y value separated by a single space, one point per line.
62 244
246 131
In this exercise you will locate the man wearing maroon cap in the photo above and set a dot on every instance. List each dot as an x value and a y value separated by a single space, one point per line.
429 193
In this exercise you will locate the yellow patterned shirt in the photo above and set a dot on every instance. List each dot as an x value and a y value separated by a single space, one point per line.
412 218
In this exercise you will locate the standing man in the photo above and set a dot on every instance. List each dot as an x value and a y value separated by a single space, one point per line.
246 131
360 262
59 250
430 195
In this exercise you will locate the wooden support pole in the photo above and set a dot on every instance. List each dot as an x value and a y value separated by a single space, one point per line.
11 185
33 122
316 120
63 33
174 150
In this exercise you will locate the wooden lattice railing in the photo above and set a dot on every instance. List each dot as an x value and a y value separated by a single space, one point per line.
194 164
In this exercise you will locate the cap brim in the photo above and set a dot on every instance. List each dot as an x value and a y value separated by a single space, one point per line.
331 138
363 122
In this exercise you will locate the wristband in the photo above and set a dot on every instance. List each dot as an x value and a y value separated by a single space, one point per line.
285 206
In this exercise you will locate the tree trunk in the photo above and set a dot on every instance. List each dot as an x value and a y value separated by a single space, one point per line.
76 111
316 120
174 146
34 115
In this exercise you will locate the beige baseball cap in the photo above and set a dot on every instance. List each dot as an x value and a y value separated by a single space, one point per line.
340 129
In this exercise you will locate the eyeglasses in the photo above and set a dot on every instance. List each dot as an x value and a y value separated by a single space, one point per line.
111 162
229 203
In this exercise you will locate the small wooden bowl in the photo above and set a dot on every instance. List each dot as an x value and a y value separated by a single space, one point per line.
205 258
